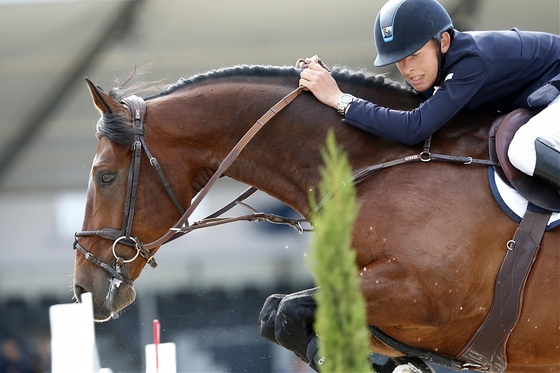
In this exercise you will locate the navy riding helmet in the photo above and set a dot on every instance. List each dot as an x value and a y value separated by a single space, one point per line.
402 27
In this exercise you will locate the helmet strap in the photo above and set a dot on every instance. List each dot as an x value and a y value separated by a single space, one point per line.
437 37
440 61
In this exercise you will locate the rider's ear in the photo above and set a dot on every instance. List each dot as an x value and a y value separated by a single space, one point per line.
102 101
445 41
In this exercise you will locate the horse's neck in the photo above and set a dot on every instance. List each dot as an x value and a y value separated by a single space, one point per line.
207 122
283 159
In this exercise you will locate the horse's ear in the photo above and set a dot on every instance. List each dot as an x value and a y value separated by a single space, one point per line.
104 103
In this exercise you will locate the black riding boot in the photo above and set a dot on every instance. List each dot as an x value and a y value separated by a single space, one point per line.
548 163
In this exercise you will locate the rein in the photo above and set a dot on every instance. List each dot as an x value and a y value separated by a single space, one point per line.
137 108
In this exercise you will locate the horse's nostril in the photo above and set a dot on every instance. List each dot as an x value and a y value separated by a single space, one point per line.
78 291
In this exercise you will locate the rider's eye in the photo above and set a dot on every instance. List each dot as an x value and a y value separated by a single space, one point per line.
107 177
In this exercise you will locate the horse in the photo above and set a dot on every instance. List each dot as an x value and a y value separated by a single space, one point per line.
429 237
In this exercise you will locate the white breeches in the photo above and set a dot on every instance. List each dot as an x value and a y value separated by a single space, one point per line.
545 125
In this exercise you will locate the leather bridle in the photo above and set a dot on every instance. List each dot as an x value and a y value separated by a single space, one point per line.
137 108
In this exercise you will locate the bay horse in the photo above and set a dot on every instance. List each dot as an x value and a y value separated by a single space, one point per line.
429 237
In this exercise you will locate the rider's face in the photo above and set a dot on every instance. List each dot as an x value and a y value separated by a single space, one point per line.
420 69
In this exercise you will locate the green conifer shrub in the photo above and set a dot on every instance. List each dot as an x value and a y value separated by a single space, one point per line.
341 313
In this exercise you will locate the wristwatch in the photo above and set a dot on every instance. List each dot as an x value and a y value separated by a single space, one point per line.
344 101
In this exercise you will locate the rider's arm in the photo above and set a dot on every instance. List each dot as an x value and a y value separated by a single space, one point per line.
463 80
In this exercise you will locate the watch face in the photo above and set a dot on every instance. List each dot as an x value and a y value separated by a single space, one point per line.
343 102
346 98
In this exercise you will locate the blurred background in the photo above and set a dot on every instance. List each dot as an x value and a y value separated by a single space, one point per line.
210 285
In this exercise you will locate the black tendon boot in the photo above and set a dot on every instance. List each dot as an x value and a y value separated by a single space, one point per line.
547 166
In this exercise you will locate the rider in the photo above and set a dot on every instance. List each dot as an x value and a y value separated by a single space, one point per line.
498 70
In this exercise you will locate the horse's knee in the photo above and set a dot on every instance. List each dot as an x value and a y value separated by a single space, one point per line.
267 317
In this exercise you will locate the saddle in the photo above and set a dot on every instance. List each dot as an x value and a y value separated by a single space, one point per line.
537 192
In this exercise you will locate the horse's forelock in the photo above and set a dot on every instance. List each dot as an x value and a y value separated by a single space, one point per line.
115 128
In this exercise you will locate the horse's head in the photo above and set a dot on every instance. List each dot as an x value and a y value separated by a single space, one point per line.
123 194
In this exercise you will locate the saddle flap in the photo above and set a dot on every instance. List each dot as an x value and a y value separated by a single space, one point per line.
504 134
534 190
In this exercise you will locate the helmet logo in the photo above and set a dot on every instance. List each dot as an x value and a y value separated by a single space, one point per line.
387 16
387 33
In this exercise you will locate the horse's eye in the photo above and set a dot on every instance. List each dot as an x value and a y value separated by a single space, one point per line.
108 178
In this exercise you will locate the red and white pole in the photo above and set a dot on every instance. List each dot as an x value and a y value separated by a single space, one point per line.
156 342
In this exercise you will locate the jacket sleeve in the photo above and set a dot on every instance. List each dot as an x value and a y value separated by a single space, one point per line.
463 80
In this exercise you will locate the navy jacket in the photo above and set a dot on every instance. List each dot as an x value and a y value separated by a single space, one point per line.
488 69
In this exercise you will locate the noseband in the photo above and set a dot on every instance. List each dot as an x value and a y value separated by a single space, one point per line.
137 108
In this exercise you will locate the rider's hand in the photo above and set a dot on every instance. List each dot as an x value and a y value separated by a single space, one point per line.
319 81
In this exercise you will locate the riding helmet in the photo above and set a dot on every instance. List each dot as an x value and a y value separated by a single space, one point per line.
402 27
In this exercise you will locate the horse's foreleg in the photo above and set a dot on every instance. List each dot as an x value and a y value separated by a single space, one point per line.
288 321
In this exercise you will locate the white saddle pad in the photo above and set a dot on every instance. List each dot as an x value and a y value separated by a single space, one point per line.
513 203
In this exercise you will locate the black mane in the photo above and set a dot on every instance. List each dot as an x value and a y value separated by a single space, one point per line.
232 72
342 75
118 130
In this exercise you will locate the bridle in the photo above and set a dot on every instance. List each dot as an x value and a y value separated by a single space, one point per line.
137 108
